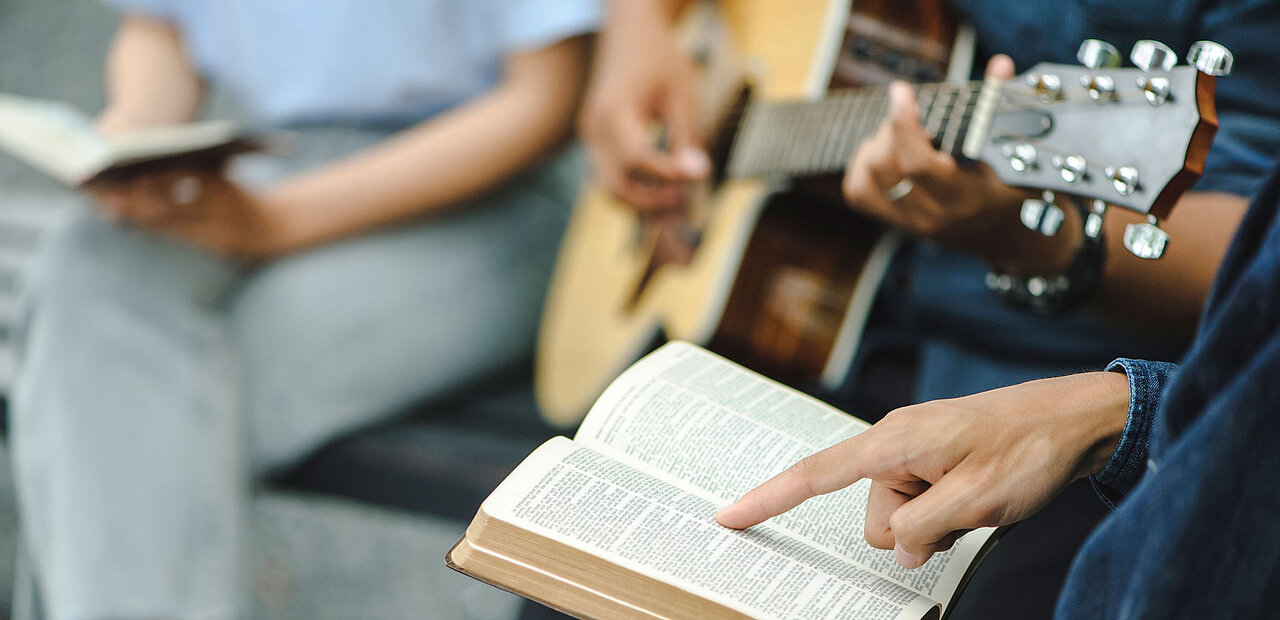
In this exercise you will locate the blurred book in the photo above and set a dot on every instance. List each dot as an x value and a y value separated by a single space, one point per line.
62 142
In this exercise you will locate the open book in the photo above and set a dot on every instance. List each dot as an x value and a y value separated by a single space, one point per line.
619 522
60 141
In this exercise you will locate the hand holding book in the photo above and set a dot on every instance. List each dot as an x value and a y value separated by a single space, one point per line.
942 468
195 205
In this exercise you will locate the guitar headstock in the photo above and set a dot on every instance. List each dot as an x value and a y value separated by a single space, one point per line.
1132 137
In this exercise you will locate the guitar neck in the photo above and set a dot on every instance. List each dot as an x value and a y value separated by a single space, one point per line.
809 138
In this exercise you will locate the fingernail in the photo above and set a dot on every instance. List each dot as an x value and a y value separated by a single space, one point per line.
906 559
723 513
899 96
694 162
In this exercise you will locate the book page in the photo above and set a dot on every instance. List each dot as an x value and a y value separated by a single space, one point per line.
153 142
638 521
688 413
51 136
60 141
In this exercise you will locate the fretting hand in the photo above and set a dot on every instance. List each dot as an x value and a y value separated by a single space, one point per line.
899 177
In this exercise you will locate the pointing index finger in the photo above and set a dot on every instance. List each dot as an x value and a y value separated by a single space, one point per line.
830 470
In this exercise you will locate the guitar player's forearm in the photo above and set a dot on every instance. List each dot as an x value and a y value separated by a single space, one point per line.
1165 295
1160 298
443 160
149 79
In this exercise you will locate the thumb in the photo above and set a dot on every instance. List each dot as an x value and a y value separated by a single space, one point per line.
904 115
1000 66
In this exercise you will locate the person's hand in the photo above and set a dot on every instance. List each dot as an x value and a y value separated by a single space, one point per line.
641 77
942 468
899 177
195 206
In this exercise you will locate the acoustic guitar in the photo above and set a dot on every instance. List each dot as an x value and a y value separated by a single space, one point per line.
782 282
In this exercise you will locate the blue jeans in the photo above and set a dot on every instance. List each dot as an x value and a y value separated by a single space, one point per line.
158 381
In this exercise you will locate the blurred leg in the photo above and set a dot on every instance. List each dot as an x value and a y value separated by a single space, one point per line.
126 444
355 331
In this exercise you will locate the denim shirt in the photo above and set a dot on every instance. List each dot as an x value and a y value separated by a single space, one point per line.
1197 533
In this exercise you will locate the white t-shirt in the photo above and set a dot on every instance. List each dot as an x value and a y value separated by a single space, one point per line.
374 60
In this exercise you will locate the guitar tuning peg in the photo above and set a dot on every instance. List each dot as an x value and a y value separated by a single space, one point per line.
1124 178
1097 54
1146 240
1210 58
1155 88
1022 156
1042 216
1095 219
1150 55
1070 167
1048 86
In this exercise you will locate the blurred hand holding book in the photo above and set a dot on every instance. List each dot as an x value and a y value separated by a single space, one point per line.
62 142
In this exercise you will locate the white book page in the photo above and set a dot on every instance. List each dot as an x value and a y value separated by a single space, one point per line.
170 139
62 142
723 429
52 137
637 520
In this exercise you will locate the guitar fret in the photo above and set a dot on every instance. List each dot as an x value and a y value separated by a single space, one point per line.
744 154
953 126
938 112
813 116
928 99
765 118
846 139
802 138
786 157
819 126
966 120
768 151
830 137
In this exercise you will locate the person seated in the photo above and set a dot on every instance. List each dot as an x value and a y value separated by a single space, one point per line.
197 328
1185 454
935 310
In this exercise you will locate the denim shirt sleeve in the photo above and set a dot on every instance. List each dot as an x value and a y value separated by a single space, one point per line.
1129 461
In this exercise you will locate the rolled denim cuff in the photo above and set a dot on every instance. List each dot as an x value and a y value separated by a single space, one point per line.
1129 461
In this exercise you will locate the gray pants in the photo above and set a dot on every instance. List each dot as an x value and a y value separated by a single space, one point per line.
157 381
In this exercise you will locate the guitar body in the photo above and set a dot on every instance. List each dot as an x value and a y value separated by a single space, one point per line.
773 281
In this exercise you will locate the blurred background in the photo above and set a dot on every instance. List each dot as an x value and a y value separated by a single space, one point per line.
317 555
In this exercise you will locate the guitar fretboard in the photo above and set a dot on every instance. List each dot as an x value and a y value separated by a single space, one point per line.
809 138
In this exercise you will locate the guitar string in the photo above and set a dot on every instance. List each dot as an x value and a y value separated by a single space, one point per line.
803 114
800 117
